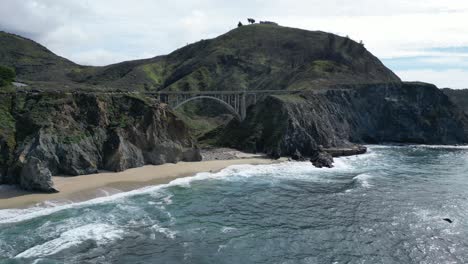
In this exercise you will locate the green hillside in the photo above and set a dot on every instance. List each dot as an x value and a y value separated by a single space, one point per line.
32 61
250 57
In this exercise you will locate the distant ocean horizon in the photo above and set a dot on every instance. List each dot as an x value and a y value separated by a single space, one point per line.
385 206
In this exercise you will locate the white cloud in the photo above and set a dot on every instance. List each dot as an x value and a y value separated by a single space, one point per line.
451 78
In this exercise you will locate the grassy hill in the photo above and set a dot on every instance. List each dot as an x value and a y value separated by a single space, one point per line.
250 57
260 57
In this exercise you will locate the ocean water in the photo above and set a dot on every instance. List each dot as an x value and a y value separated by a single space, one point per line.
386 206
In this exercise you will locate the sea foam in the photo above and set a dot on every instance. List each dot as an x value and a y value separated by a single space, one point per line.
100 233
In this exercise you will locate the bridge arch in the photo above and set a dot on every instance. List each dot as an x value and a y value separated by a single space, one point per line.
228 106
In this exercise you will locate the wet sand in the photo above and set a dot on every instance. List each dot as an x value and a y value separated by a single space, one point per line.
86 187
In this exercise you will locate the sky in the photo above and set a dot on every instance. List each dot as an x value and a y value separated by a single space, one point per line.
420 40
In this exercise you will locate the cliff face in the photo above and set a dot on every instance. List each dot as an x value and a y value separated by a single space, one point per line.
459 97
402 113
74 134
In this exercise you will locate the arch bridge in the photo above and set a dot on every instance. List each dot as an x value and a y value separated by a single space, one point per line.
236 102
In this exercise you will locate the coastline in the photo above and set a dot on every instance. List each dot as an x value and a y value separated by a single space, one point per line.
87 187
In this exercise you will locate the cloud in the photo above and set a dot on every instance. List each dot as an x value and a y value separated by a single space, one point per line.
108 31
451 78
36 18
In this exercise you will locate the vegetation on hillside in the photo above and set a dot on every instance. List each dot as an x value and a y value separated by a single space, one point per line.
7 75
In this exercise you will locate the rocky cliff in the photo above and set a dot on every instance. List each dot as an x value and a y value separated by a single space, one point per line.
459 97
284 125
73 134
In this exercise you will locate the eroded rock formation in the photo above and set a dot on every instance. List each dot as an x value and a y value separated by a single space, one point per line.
75 134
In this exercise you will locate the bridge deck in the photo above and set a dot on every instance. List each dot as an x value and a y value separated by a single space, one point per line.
224 92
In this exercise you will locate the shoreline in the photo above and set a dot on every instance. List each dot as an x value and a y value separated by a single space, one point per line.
91 186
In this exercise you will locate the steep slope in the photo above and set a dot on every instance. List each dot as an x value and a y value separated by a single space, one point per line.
73 134
403 113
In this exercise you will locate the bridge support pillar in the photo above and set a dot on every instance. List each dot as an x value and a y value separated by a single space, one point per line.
243 107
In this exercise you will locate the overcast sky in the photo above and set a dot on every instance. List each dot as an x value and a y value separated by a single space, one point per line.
424 40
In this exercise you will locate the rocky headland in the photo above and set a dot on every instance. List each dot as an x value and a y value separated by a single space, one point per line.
287 125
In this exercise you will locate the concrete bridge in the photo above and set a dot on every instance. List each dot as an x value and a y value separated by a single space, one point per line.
236 102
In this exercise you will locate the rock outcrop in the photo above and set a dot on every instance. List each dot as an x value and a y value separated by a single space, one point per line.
347 151
75 134
36 177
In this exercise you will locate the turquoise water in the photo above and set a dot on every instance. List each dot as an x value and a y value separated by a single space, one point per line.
386 206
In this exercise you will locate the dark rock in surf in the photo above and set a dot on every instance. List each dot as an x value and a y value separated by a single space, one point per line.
342 152
297 155
322 159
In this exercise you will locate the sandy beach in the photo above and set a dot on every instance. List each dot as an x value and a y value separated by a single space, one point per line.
86 187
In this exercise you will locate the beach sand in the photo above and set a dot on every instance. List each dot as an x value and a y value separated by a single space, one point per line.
86 187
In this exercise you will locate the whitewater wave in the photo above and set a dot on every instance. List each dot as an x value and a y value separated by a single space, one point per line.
226 229
417 146
100 233
166 231
363 179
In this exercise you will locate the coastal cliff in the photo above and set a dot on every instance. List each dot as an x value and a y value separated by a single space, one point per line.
65 121
292 125
73 134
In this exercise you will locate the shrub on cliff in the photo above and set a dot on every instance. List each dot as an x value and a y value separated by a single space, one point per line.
7 75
